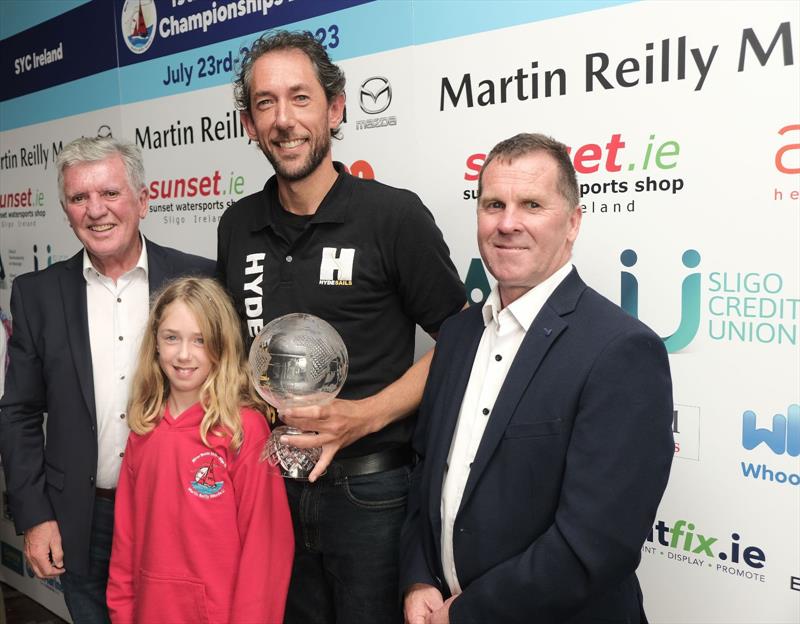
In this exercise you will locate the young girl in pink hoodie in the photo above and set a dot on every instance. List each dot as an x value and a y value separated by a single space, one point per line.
202 530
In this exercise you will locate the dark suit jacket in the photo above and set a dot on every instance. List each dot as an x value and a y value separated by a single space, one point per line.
50 371
568 475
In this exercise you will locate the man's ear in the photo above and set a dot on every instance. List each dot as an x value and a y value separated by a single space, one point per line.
249 126
575 218
336 111
144 200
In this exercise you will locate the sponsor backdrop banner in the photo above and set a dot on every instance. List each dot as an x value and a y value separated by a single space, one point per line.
684 125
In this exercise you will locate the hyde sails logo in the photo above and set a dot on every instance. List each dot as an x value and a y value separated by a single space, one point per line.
138 24
336 267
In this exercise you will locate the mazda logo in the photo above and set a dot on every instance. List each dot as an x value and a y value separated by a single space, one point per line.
375 95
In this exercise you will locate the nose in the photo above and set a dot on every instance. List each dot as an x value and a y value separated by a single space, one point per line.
95 206
508 222
284 115
183 350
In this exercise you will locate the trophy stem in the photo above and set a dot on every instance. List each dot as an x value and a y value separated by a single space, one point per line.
295 463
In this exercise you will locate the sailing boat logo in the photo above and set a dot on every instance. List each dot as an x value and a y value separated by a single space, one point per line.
205 481
138 24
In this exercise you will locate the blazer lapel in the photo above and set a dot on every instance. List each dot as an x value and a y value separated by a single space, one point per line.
541 335
157 267
73 297
455 386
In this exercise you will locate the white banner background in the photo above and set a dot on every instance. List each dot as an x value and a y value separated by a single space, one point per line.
724 196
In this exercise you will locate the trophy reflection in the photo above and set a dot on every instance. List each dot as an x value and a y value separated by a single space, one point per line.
296 360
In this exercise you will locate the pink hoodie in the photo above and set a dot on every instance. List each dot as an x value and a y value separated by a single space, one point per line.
200 534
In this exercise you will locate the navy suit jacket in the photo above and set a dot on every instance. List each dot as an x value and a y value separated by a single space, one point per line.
568 475
50 370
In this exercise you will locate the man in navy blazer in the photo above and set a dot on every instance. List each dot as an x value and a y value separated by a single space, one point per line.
545 428
76 329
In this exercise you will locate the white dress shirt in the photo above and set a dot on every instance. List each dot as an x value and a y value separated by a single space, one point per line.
505 330
117 314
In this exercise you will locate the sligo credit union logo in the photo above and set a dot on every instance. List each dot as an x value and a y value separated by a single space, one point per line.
742 306
375 95
138 24
478 289
690 298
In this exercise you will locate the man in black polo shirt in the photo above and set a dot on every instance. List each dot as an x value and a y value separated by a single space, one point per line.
368 259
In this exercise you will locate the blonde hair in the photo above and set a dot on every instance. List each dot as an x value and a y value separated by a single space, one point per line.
227 387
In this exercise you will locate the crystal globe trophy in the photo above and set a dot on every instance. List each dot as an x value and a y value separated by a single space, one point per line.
296 360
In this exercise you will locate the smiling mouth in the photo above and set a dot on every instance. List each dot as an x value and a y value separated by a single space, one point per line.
184 372
291 144
101 228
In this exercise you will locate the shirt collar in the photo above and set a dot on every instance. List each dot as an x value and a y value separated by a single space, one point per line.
527 307
141 263
332 209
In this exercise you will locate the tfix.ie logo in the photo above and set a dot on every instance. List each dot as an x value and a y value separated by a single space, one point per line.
690 298
682 535
783 437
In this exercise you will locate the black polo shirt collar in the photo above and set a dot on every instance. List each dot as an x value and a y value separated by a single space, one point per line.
332 209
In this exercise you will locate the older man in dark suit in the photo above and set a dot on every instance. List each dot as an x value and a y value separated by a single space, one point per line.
544 430
76 332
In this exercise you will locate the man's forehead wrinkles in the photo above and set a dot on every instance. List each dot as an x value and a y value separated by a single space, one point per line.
516 174
512 184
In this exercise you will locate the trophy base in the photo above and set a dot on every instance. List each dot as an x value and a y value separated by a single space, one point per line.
294 463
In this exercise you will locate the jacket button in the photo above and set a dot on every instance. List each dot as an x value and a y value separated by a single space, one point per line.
91 480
